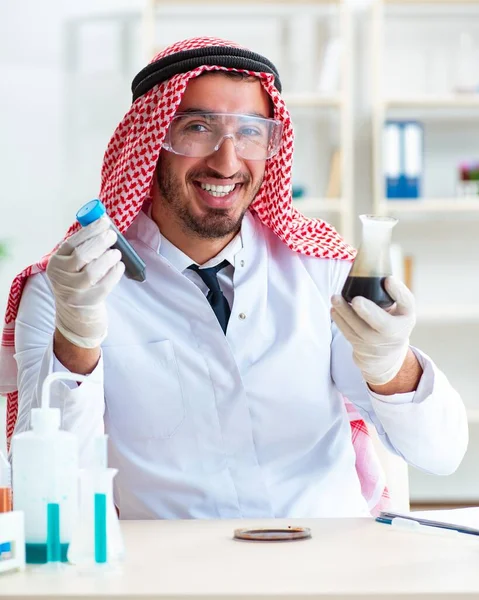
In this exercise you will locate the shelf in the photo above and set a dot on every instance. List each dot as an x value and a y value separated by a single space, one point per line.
438 2
312 99
235 2
456 101
264 8
431 205
473 415
435 315
314 207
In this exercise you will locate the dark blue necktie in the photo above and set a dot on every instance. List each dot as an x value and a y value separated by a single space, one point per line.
215 296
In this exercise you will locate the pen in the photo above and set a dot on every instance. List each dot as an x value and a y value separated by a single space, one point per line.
386 517
410 525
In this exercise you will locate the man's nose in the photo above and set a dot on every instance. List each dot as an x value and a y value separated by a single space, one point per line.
225 160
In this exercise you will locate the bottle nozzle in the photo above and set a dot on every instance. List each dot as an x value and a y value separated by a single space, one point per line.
47 418
60 376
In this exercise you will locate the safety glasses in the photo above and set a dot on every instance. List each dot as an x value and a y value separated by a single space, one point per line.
200 134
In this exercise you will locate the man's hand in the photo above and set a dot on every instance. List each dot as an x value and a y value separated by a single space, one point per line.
83 271
380 338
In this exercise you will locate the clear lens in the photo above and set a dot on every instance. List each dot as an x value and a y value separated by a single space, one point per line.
200 134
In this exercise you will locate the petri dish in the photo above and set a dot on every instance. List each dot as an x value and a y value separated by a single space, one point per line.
288 534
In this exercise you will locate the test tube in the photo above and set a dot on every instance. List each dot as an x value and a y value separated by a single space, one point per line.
5 497
135 268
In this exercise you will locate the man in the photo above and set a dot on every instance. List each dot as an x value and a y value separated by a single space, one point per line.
221 380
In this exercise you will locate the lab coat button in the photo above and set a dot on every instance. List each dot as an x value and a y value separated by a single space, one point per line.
242 263
242 316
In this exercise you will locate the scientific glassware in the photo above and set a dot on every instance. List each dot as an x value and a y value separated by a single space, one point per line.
97 540
135 267
372 263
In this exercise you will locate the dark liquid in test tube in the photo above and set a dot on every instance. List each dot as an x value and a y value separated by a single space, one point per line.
135 267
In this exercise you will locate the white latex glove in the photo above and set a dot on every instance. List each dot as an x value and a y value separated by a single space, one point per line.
380 338
83 271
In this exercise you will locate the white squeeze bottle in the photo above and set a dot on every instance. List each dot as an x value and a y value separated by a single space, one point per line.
45 479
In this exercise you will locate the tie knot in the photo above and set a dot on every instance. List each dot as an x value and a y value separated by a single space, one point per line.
209 275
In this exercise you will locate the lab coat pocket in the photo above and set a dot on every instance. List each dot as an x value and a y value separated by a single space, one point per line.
143 394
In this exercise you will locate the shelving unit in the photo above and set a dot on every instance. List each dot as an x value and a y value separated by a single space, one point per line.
311 207
313 100
447 107
430 206
422 106
431 102
438 230
338 105
436 315
473 416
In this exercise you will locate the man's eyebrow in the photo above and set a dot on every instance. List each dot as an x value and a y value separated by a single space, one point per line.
213 112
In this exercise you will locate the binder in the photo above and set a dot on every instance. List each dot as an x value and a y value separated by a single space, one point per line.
403 159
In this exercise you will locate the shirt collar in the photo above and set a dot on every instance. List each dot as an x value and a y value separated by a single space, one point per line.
147 231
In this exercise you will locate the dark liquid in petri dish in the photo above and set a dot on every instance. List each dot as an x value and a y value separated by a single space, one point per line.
368 287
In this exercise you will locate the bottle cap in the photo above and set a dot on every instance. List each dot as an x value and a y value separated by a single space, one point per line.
46 419
89 212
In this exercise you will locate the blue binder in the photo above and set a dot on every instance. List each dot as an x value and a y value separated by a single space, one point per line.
403 159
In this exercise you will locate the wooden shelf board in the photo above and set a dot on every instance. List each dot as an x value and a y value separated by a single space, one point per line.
438 2
312 99
447 314
234 2
473 415
431 205
453 101
315 206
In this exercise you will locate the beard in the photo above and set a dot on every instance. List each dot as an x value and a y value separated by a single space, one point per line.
216 223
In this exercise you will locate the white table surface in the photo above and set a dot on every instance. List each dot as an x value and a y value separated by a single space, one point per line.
345 559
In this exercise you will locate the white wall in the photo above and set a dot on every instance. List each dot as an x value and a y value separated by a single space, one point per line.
38 196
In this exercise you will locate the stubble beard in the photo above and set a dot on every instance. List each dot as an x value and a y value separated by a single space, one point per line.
216 223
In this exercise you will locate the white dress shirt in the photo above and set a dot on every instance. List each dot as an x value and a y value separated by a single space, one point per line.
248 424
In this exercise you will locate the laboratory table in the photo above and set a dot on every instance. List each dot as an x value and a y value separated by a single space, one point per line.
344 559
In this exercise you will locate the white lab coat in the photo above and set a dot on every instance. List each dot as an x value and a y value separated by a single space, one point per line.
251 424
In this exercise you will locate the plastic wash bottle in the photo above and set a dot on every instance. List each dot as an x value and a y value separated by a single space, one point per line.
45 478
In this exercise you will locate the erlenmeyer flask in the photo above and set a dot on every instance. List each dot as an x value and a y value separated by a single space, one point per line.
372 263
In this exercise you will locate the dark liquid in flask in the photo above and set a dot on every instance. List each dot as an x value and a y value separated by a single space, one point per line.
368 287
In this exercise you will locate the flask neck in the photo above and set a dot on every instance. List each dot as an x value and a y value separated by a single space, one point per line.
373 258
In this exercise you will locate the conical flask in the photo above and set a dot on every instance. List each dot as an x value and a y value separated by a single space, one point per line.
372 263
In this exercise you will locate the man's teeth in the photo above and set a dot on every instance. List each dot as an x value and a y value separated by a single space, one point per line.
217 190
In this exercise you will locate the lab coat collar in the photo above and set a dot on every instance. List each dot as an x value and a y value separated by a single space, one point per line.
146 230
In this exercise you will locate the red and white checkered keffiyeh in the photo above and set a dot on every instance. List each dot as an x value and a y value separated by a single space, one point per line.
126 179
